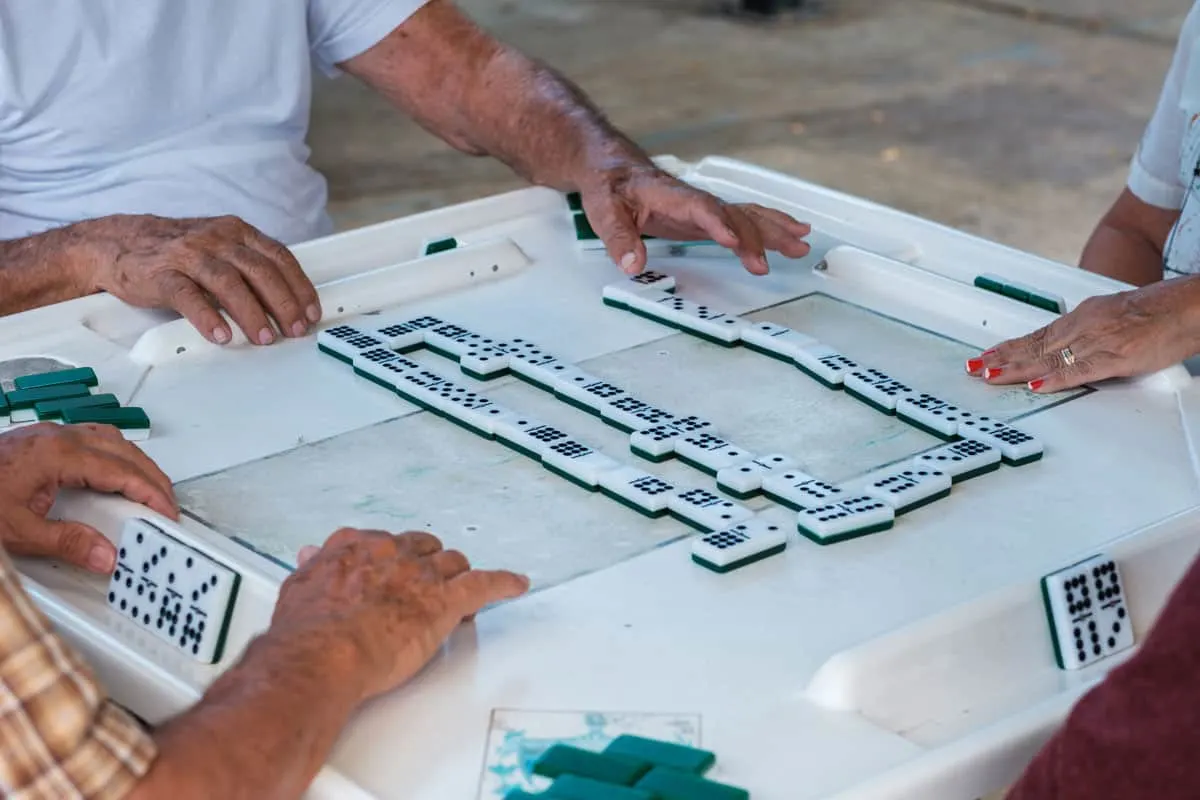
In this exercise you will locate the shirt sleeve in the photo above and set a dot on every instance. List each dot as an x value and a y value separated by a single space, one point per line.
339 30
1136 735
1154 172
60 737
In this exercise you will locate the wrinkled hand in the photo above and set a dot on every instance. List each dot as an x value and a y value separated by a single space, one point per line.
395 599
197 266
624 203
1112 336
38 460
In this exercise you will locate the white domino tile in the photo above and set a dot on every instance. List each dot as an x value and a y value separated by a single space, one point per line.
406 335
709 452
537 367
642 490
1087 611
931 414
592 393
656 443
825 364
623 412
745 480
1015 446
579 462
527 434
847 519
910 488
347 341
960 460
448 339
386 370
705 510
173 590
464 406
796 489
485 362
701 319
777 341
742 544
876 388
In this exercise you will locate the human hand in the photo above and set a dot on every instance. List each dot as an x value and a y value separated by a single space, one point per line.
625 202
393 599
1111 336
38 460
197 266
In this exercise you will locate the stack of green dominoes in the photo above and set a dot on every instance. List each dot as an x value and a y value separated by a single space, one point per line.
585 234
66 396
1022 293
630 768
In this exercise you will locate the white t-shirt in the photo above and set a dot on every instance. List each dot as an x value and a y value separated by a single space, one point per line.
1165 171
172 107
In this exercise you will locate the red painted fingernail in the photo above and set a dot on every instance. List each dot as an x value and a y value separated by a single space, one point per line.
992 372
974 365
1037 384
987 352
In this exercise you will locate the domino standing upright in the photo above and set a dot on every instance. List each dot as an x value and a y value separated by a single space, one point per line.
1088 615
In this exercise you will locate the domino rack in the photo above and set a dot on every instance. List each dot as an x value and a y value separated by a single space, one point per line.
915 664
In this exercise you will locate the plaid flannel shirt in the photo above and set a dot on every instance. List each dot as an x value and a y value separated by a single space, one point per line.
60 737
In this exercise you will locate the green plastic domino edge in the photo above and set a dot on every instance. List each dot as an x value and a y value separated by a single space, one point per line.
645 512
574 787
583 229
21 399
933 498
563 759
745 562
129 418
868 401
53 409
575 201
441 246
1058 657
844 537
84 375
670 784
663 754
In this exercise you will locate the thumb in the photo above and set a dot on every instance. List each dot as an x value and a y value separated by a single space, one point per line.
615 226
73 542
306 554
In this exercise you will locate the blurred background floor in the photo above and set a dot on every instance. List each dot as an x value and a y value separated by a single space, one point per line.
1014 119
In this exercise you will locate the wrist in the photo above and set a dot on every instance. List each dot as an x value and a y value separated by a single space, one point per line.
88 250
334 664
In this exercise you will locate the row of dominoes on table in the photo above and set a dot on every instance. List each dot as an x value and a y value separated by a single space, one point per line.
69 396
735 535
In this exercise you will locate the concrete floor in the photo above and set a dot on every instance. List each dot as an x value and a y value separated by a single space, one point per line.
1014 119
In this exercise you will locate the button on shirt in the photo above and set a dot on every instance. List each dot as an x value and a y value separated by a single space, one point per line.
1166 168
178 108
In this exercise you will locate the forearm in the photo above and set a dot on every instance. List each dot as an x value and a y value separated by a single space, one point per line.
1122 254
47 268
262 731
486 98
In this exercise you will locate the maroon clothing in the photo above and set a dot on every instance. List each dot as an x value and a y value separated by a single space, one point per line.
1137 734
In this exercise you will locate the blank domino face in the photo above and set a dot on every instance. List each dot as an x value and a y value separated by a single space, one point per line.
577 463
1086 607
797 490
848 519
1016 446
825 364
706 511
909 489
960 460
174 591
745 480
709 453
740 545
645 493
776 341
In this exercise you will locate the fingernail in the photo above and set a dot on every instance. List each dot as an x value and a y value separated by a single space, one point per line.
628 261
313 313
100 559
987 352
992 372
1037 384
265 336
974 365
298 329
220 335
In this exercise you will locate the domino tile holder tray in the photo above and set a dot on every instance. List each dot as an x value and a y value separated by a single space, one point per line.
847 701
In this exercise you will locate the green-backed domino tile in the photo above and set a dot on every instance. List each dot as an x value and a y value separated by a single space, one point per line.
569 477
575 787
53 409
671 784
736 494
987 284
843 537
862 398
126 419
696 465
1044 303
662 754
563 759
769 354
335 354
575 201
441 246
611 495
22 399
745 562
3 407
1015 293
84 375
657 459
583 229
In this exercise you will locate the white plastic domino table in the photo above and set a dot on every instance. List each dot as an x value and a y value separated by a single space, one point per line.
906 655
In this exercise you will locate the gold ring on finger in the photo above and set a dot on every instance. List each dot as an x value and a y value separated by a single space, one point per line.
1067 356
